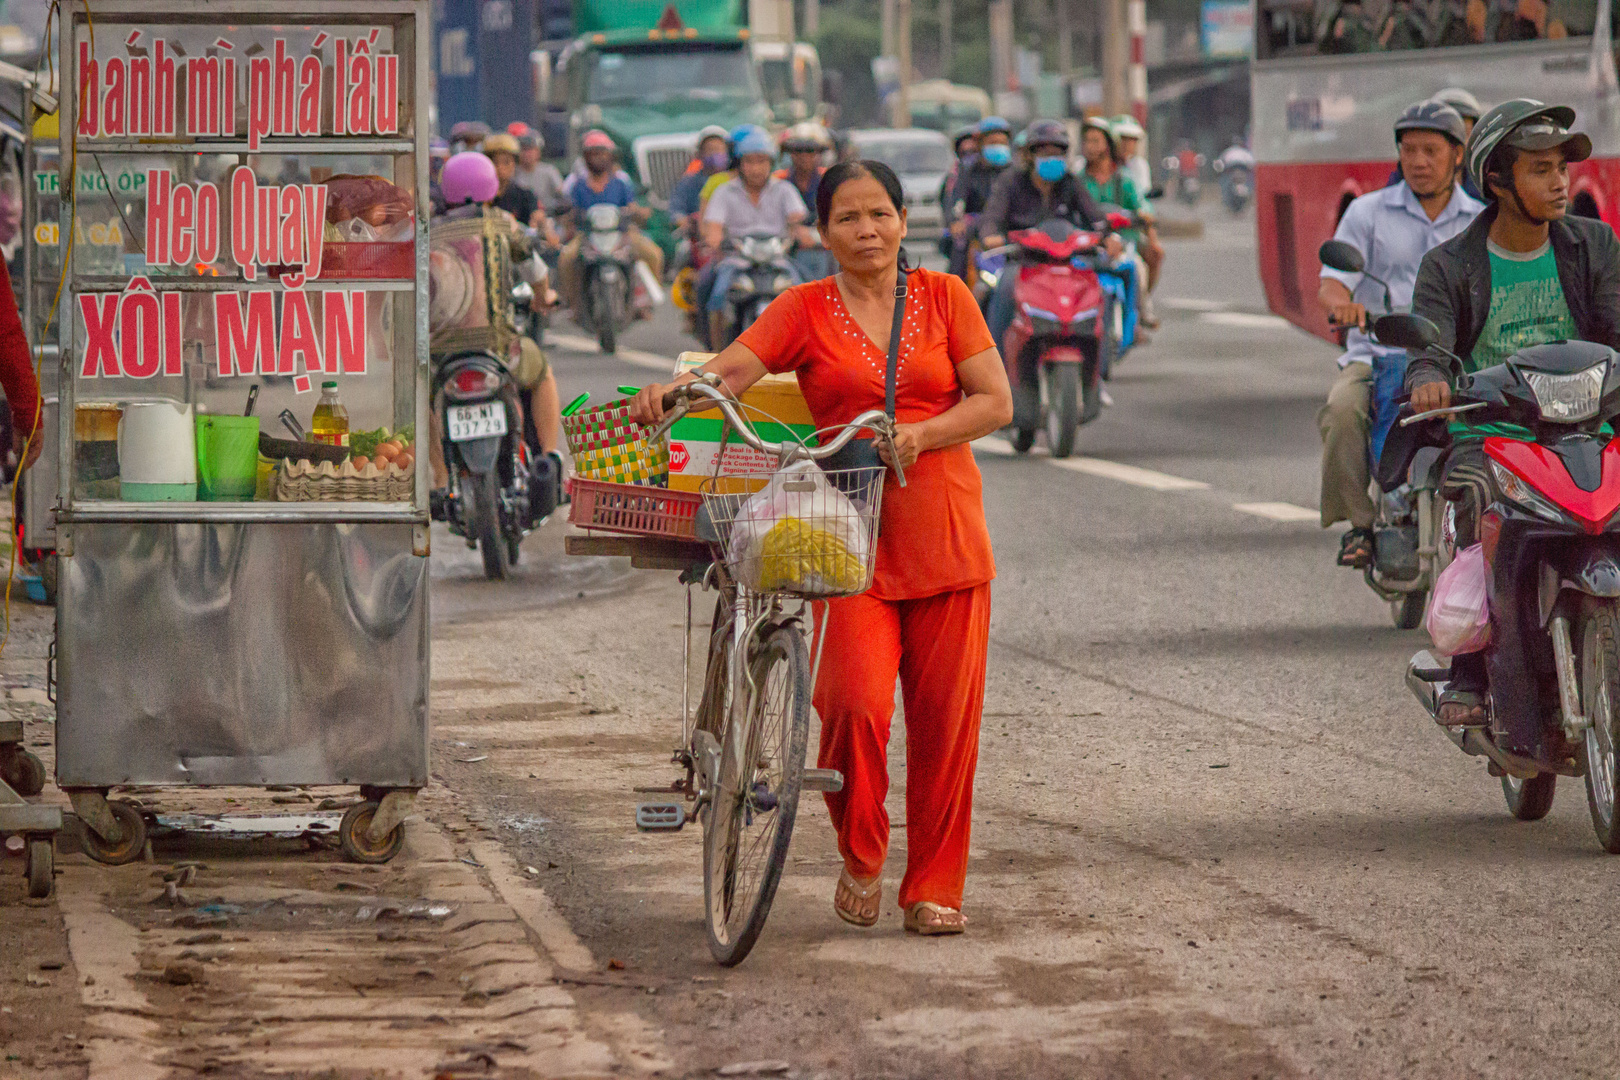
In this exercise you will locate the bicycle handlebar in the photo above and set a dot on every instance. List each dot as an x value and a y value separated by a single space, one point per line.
679 401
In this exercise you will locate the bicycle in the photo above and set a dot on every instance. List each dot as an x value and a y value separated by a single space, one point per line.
743 750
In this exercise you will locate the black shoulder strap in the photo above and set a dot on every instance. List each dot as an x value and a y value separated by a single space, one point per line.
894 342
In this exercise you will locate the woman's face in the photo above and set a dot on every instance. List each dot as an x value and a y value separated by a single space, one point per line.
863 230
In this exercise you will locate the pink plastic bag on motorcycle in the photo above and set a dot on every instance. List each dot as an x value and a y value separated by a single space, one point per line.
1458 619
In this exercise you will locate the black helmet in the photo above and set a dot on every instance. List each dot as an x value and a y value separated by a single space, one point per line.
1048 133
971 131
1523 124
1432 116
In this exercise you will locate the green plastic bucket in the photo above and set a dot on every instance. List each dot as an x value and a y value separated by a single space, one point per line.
227 458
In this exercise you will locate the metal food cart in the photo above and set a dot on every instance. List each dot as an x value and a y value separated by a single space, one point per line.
243 219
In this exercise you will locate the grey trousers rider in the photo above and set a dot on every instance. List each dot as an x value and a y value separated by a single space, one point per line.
1344 421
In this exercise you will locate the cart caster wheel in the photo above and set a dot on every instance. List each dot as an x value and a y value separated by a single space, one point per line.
352 836
27 774
126 850
41 868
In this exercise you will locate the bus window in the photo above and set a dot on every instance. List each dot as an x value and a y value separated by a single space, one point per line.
1298 28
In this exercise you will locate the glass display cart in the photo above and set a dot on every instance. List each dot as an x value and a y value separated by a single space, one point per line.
242 525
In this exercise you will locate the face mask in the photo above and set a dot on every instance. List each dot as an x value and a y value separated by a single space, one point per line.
1051 169
996 154
716 162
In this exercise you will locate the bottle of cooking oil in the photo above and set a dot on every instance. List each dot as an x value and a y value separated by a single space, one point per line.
330 424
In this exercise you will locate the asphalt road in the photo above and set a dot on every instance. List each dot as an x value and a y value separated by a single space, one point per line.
1214 837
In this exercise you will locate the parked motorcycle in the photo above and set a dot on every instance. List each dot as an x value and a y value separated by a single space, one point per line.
766 273
1551 542
608 270
499 489
1406 529
1053 350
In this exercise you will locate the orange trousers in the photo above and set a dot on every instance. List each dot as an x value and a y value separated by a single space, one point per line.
936 647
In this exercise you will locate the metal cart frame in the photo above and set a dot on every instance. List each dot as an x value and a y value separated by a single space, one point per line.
248 643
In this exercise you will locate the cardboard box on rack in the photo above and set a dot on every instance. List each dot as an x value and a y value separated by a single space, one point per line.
694 440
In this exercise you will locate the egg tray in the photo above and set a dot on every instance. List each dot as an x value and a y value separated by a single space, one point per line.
322 481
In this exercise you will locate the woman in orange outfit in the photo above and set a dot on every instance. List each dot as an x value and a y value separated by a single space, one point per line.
926 618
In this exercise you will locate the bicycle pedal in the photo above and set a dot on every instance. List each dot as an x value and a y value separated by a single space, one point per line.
660 816
822 780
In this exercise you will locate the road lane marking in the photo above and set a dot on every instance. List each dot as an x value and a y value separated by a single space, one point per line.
994 444
1190 303
1129 474
635 357
1278 511
1244 320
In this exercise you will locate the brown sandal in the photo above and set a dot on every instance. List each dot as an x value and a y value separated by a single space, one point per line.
858 904
931 920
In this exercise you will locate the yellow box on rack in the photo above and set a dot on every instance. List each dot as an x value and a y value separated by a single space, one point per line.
701 447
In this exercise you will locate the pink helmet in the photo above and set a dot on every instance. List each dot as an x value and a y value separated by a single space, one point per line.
468 177
596 139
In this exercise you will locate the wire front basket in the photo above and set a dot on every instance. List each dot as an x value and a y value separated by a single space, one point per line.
808 532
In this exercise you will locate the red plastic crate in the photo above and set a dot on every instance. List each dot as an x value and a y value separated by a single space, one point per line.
634 508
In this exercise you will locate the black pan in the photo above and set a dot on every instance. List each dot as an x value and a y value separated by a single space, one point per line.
301 451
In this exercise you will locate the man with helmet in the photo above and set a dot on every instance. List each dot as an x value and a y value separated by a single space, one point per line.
1129 135
1526 272
470 186
806 145
538 176
1107 182
966 147
1022 198
602 183
520 202
753 202
710 157
972 189
1393 228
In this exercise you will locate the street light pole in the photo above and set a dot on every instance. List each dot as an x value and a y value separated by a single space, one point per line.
947 33
902 109
1001 32
1114 56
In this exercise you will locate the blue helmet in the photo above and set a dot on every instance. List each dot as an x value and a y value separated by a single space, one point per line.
740 132
754 142
994 123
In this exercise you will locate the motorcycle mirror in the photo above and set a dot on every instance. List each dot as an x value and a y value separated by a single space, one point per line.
1406 331
1155 192
1340 256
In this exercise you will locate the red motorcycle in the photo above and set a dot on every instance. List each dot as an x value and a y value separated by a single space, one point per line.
1551 544
1053 349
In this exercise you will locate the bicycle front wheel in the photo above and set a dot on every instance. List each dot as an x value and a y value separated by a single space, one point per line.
750 821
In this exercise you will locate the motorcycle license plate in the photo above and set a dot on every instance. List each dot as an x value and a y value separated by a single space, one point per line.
475 421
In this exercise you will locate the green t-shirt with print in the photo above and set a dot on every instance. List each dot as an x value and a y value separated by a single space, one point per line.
1119 190
1527 308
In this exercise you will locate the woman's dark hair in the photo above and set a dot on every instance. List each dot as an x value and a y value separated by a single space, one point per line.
845 171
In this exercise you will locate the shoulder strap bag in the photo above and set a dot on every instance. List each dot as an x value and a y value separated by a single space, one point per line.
862 453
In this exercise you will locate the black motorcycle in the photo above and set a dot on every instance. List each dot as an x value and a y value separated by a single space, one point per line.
764 272
500 488
607 263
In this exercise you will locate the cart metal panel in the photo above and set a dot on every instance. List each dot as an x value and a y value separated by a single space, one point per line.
242 654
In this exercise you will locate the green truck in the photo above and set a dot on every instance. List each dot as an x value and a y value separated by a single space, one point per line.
651 73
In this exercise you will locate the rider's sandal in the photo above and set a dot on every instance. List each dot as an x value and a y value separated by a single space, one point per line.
1356 549
858 904
931 920
1468 709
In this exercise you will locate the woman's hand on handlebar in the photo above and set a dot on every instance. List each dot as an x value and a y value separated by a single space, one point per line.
1430 396
1349 315
647 407
908 444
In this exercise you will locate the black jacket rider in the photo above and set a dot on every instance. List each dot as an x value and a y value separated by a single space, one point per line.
1016 203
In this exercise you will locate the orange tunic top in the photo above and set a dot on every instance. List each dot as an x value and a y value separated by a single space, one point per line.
933 537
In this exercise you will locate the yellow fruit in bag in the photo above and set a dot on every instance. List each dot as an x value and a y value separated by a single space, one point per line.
794 553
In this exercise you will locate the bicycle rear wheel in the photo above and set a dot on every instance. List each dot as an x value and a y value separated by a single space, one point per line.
750 823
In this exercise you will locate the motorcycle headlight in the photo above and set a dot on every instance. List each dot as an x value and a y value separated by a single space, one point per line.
1566 399
1517 491
742 285
605 242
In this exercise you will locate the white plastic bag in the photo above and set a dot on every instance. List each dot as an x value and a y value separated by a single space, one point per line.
1459 619
800 534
